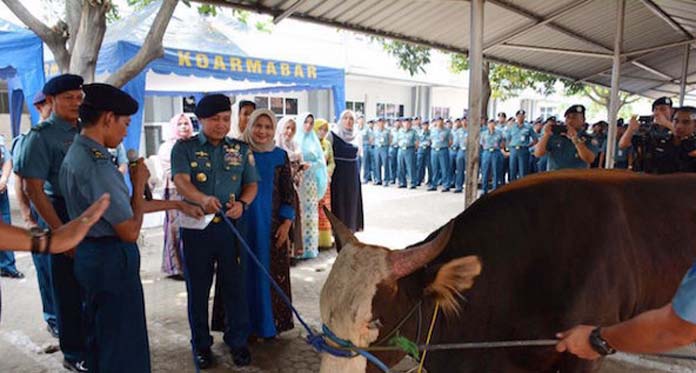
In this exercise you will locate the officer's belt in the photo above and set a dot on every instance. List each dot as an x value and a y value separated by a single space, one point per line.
382 146
520 147
492 149
407 147
436 148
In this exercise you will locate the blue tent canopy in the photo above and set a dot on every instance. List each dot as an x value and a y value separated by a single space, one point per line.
202 59
21 65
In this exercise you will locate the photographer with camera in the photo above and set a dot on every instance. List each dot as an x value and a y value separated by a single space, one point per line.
667 144
567 146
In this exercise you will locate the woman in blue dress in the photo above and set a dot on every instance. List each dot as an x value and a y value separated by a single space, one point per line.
269 219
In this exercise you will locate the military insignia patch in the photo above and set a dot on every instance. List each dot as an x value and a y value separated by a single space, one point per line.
201 177
98 154
202 154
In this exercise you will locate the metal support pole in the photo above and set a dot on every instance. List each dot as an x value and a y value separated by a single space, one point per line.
615 78
685 72
475 88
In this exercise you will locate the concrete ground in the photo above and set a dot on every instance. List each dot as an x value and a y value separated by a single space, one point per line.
394 218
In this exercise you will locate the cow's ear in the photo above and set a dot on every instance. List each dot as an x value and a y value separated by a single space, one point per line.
342 234
451 280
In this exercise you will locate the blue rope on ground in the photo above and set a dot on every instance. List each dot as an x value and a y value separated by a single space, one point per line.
316 340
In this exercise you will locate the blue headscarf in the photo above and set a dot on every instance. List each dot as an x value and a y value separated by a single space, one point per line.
312 153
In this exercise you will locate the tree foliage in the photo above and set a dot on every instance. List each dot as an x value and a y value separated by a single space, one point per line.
412 58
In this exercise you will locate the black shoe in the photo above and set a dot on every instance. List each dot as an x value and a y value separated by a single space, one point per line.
412 187
177 277
204 359
11 273
432 189
378 183
402 186
53 330
75 366
458 191
445 190
241 356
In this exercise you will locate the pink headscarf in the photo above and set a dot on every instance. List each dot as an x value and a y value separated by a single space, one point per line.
172 130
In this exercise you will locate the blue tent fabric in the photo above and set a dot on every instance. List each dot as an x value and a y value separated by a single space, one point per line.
194 47
16 104
24 58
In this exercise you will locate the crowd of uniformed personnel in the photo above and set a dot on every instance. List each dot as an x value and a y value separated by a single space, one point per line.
411 152
93 298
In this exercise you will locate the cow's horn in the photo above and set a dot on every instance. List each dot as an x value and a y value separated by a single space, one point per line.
405 262
342 234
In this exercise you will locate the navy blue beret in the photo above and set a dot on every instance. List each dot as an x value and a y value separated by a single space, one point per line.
575 109
105 97
662 101
62 83
520 112
211 105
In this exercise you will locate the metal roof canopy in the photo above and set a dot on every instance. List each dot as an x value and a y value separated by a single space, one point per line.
581 40
573 39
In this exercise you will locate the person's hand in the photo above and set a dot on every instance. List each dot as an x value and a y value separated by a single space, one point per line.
3 186
211 204
69 235
572 133
191 210
633 124
139 174
663 121
281 235
235 209
548 129
577 342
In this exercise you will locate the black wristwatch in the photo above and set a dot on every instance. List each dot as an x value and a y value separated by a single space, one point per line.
37 234
599 344
244 205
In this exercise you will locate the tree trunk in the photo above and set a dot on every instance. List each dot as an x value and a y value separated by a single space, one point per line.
54 38
486 91
89 39
151 48
73 14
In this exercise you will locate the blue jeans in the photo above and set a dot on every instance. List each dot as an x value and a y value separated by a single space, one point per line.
440 161
381 157
108 271
460 169
7 258
491 161
519 163
407 166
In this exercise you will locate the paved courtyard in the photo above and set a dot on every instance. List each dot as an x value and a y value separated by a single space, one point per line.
394 218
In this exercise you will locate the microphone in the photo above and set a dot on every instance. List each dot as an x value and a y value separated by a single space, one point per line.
132 155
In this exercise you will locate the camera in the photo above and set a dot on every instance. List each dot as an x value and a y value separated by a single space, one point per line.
558 129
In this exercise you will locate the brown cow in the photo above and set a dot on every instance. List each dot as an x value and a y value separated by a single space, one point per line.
557 249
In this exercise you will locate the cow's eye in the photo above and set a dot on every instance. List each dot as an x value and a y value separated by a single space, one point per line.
375 324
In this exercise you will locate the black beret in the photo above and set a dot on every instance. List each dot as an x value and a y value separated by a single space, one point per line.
380 120
662 101
425 121
416 118
244 103
575 109
211 105
407 119
502 114
105 97
520 112
620 122
371 121
62 83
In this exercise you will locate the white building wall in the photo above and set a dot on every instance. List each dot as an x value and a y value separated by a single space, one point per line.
375 91
455 99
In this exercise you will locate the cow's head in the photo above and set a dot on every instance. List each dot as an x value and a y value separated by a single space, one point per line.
347 296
